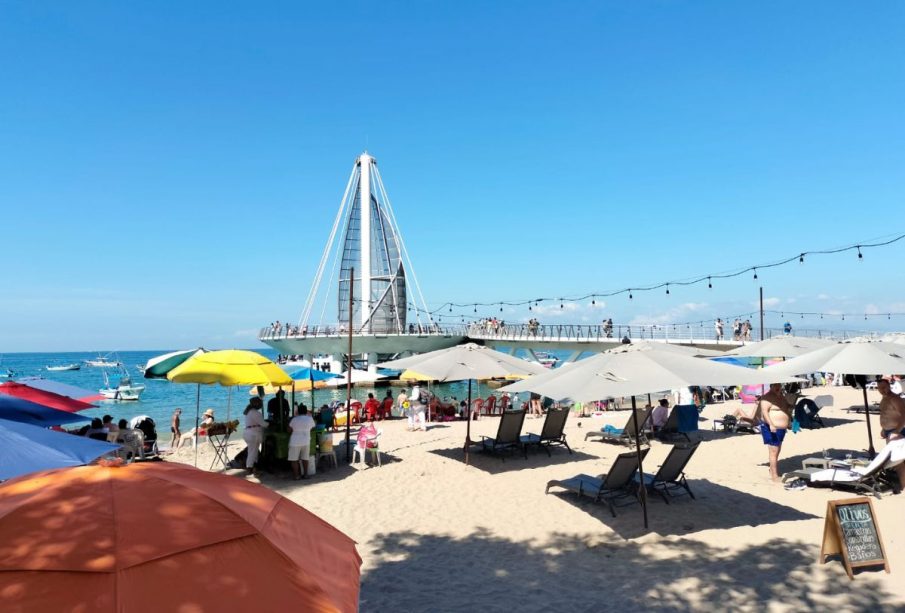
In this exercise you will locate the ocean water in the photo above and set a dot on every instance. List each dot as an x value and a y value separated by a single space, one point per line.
161 397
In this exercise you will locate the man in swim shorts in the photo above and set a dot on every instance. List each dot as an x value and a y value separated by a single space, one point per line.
892 418
776 414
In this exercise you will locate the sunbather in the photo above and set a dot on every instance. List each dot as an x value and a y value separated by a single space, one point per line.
748 418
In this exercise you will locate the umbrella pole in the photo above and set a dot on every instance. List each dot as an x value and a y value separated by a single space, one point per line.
468 425
197 421
641 483
870 437
349 375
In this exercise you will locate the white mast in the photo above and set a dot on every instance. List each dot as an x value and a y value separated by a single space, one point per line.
364 275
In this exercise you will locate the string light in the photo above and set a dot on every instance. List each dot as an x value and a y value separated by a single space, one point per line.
667 289
858 248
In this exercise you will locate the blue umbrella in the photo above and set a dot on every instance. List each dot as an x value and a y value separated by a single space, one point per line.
25 449
312 374
27 412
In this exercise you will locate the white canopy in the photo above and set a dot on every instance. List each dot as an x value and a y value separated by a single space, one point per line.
780 347
639 369
848 358
466 362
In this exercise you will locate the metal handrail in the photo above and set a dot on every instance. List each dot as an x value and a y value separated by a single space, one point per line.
339 330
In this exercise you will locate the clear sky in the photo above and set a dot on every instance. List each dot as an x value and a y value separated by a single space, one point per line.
169 171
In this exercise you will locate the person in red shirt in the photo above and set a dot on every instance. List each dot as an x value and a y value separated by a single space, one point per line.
372 406
386 409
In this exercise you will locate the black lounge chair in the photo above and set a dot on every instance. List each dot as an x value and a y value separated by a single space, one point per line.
508 436
551 433
627 434
682 420
671 475
617 484
807 413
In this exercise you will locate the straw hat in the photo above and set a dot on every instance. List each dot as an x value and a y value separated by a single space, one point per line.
208 413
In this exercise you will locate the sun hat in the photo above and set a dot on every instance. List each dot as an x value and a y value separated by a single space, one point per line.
209 412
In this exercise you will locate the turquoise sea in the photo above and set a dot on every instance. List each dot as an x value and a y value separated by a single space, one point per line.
161 397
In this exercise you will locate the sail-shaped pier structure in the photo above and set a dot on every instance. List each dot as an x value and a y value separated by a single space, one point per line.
388 315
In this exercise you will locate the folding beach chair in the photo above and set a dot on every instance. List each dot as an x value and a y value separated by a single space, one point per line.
671 475
872 478
508 434
618 483
551 433
218 436
627 434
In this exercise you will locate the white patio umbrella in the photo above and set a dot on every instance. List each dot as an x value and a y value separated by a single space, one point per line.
780 347
465 363
630 370
851 359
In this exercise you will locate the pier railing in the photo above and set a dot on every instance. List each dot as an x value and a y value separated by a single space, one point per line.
338 330
598 333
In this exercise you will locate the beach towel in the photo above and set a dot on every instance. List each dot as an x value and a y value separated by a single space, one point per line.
688 417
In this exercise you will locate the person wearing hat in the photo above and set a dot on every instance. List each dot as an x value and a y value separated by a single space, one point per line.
192 435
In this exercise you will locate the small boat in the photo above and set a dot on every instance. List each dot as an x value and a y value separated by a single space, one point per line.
103 361
61 367
122 389
6 373
545 359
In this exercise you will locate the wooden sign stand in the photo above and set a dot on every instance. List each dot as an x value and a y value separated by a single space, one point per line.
851 530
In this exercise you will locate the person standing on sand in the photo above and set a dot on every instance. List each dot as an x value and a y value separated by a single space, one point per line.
892 419
416 410
174 428
776 414
300 428
254 431
401 399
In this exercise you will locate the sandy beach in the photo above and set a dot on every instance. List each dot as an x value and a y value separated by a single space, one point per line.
437 535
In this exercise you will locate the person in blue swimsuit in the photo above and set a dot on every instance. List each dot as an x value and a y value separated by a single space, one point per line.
776 416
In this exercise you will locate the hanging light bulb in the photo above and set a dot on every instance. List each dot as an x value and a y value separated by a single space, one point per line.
501 307
865 317
475 308
801 259
709 284
629 294
888 316
755 274
667 289
560 303
450 308
843 317
821 316
529 306
860 255
593 301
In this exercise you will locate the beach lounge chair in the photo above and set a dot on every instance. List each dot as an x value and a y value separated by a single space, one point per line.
671 475
627 434
682 420
872 478
508 436
551 433
615 485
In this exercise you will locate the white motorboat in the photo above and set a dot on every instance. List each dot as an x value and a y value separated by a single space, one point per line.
121 389
103 361
546 359
61 367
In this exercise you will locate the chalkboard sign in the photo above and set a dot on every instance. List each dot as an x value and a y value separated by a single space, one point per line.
851 530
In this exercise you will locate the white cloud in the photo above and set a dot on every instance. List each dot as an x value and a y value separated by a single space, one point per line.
823 297
768 302
677 313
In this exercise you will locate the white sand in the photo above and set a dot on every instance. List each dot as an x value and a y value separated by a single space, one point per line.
436 535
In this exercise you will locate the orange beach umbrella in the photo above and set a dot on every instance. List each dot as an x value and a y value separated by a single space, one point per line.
166 537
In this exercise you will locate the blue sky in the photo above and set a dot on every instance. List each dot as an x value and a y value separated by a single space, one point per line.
170 171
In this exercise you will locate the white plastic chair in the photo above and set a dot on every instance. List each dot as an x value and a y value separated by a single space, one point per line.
374 450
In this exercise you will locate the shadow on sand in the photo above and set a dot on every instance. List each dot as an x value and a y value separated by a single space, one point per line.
589 573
